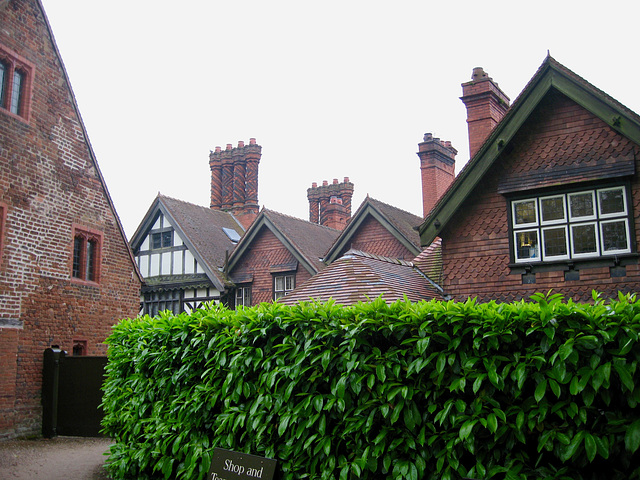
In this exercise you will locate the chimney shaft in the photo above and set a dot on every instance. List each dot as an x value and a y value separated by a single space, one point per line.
437 168
486 105
234 180
330 204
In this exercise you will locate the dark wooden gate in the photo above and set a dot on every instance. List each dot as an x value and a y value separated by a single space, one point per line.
71 394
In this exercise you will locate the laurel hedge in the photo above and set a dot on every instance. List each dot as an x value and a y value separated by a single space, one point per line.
428 390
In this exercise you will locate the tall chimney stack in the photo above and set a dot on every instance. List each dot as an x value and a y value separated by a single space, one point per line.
437 168
234 180
330 205
486 105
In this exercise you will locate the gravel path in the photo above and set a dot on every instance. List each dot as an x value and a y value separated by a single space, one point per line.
56 459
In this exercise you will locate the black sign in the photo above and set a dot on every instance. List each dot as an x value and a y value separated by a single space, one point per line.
228 465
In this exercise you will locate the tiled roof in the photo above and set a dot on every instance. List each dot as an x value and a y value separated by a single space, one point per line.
311 239
360 277
203 228
430 261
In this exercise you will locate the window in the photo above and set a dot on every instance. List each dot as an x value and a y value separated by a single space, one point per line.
243 297
15 81
86 255
584 224
79 348
159 301
282 284
162 239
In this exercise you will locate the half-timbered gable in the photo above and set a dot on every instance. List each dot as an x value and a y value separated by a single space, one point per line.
549 201
181 249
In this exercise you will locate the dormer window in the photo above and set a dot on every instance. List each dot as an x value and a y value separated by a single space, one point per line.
573 225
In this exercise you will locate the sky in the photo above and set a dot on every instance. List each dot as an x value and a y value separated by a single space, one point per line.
329 89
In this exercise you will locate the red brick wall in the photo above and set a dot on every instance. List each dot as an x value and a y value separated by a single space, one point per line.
265 251
49 183
475 244
372 237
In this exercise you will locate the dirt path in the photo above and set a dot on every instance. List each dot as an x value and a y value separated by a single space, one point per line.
56 459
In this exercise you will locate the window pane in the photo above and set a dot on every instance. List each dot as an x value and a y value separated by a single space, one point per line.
77 256
16 93
91 261
525 212
167 239
156 240
527 246
581 205
289 282
611 201
3 74
279 284
555 242
614 236
552 208
584 239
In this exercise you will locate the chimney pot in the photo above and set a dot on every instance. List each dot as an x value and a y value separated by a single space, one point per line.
229 146
252 141
335 181
478 74
346 179
325 183
314 185
240 143
428 137
218 149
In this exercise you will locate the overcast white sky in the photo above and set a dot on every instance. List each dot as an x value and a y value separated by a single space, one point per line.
329 89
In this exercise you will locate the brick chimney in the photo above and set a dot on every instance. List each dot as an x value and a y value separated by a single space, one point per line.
234 180
437 168
330 205
486 105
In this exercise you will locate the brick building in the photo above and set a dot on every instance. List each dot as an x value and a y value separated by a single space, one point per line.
549 200
277 253
66 271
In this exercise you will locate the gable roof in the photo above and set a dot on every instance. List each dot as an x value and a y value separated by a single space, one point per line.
361 277
201 229
85 135
401 224
550 75
308 242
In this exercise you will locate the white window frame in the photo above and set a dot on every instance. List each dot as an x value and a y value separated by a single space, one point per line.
597 219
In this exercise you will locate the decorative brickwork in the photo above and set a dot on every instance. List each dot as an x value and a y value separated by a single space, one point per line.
234 180
560 138
330 205
266 251
373 238
49 183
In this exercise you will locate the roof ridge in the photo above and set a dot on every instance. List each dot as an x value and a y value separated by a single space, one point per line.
394 207
268 211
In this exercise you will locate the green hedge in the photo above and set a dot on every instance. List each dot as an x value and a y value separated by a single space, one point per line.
436 390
